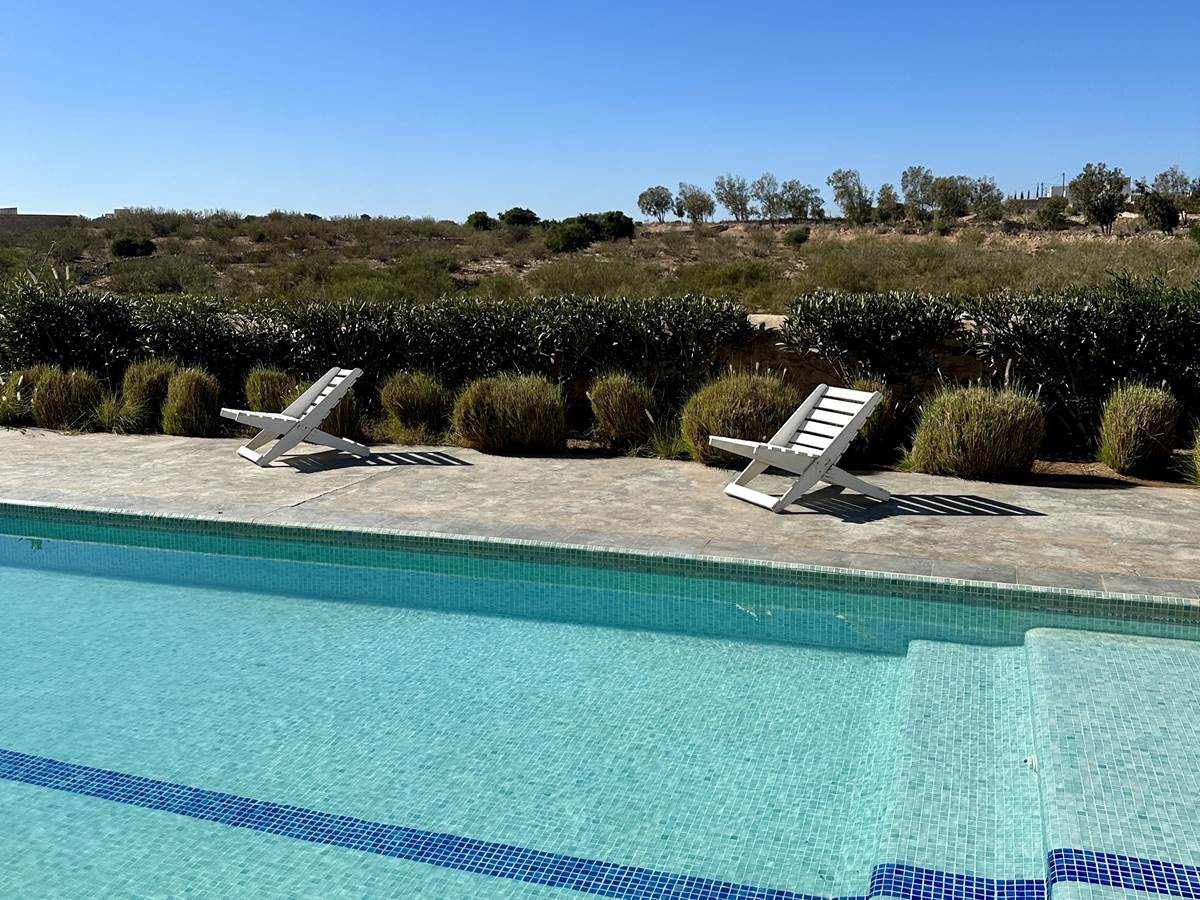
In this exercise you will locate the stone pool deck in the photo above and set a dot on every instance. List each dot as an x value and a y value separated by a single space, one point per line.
1087 534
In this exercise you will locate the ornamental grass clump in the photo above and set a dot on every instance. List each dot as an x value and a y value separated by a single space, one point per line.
621 405
1191 468
511 413
874 441
143 392
269 390
1137 432
193 404
978 432
740 405
67 401
16 395
118 415
416 400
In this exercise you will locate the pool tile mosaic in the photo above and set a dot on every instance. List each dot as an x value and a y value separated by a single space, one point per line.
608 722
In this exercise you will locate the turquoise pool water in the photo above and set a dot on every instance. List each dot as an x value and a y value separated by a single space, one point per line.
718 736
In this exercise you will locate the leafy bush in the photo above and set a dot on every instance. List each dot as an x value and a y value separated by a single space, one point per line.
270 390
568 236
894 336
193 404
519 215
621 405
874 441
129 247
67 401
1077 347
144 391
977 432
795 237
71 328
1194 233
16 395
739 405
1137 432
480 221
1052 215
677 341
416 400
511 413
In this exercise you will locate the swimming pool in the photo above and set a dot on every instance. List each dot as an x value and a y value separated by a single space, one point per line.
235 710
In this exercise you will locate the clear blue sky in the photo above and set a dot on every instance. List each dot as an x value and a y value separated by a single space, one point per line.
413 108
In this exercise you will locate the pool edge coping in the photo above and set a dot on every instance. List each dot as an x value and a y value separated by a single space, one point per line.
887 581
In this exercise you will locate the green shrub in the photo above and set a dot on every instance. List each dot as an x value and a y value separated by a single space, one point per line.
1078 347
741 405
345 419
480 221
16 395
1137 432
874 440
1191 468
193 404
621 405
1052 215
977 432
895 336
144 391
1194 233
511 413
270 390
519 215
568 236
67 401
416 400
129 247
120 416
796 237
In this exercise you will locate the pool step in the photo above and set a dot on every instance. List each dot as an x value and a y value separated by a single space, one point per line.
963 735
1117 727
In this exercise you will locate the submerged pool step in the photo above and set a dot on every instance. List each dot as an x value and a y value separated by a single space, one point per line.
1117 728
961 797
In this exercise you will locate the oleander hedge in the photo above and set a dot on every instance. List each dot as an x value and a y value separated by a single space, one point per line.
675 342
1071 347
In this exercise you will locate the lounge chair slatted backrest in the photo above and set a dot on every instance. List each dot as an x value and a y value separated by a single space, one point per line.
808 446
301 420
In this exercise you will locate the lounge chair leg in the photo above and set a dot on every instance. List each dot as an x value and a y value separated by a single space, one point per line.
328 440
794 493
845 479
282 446
751 472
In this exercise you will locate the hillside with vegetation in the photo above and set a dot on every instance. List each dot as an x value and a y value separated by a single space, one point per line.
949 234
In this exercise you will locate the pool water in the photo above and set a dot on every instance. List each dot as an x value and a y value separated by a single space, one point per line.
393 723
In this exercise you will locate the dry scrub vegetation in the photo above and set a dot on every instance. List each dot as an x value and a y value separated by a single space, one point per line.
284 255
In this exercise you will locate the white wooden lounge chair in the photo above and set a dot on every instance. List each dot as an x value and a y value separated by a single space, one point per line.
299 422
808 446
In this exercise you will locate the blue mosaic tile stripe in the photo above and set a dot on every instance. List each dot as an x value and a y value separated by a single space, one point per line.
445 850
917 883
1129 872
575 873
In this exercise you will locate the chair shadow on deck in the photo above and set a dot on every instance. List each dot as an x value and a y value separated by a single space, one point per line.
856 508
332 459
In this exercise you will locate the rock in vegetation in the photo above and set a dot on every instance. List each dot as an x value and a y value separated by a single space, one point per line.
67 401
193 404
1138 430
739 405
978 432
621 405
511 413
